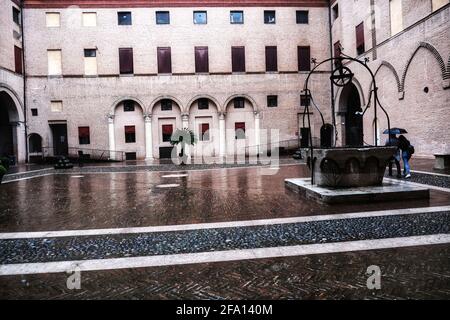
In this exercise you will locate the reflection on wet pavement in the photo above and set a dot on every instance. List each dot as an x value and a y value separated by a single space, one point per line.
112 200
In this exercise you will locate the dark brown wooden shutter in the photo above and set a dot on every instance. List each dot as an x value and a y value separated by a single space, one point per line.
201 59
238 59
360 47
304 58
18 59
337 49
164 60
271 59
126 60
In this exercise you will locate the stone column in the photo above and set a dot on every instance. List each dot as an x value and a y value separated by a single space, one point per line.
112 141
222 135
257 131
185 125
148 137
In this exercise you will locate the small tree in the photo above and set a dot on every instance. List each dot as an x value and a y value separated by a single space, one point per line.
183 137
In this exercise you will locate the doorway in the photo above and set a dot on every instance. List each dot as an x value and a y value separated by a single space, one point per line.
60 144
351 103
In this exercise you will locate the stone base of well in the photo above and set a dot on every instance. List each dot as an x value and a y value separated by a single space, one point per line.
389 190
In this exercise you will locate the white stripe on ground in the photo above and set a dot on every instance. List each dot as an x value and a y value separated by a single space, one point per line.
221 256
214 225
429 186
26 178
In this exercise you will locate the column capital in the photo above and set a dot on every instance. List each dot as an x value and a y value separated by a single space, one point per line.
222 115
257 114
148 117
110 117
185 116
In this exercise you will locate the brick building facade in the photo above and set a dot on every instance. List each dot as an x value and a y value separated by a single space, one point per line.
122 75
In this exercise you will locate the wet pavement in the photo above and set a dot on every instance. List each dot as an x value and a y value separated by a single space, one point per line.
117 200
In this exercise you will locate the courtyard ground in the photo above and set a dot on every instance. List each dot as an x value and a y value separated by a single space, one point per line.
219 233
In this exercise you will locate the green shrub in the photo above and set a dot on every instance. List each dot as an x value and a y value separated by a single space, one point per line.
2 170
4 162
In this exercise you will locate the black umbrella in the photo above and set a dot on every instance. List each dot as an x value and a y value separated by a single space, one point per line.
395 131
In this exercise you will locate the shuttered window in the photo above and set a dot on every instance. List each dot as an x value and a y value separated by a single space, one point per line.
54 62
204 132
126 60
167 130
360 46
239 129
164 60
337 49
130 134
84 135
201 59
271 59
16 15
52 19
238 59
304 58
18 59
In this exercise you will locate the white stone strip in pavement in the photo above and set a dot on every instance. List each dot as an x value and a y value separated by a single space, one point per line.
220 256
429 186
26 178
216 225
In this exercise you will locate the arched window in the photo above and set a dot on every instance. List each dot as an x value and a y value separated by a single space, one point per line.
35 144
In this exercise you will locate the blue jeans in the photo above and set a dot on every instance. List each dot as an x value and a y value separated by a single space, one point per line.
405 156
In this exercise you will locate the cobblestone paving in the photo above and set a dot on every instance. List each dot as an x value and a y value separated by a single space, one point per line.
407 273
207 240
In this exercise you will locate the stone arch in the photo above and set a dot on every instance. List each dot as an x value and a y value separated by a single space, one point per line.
19 116
122 99
392 69
200 96
34 143
249 98
342 91
161 97
435 54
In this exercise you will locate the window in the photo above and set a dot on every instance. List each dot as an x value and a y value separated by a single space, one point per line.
18 59
164 60
162 17
90 62
239 103
304 58
236 17
124 18
16 15
52 19
130 155
272 101
239 130
126 60
167 130
89 19
83 135
302 16
203 104
34 112
200 17
271 59
304 100
360 46
238 59
437 4
337 49
128 106
269 17
204 131
130 134
335 11
201 59
396 16
56 106
54 62
166 105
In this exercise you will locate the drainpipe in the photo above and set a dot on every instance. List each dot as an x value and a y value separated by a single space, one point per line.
24 80
333 115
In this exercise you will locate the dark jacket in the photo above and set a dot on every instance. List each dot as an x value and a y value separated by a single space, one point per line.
403 143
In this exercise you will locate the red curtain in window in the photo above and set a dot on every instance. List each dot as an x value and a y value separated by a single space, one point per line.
239 125
130 129
83 132
238 59
201 59
204 128
18 59
271 59
126 60
167 129
164 60
360 38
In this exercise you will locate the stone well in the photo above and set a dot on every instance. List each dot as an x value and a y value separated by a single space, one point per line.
351 167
